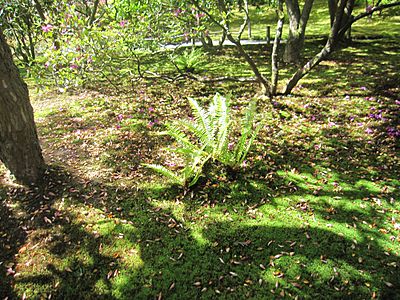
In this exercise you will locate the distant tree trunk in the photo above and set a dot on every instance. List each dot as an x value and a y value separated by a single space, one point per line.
338 30
275 48
297 29
346 19
40 10
347 16
206 41
93 13
223 10
324 53
265 84
19 145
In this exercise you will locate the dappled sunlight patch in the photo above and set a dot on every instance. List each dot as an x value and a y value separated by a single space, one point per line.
368 185
129 282
313 212
199 238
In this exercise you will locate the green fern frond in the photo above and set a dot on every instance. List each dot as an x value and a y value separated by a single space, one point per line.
211 127
184 151
249 115
212 115
202 119
167 173
197 130
243 145
190 61
180 136
221 123
249 143
197 167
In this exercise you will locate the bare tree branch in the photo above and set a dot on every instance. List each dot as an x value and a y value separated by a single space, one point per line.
265 84
366 14
337 31
245 21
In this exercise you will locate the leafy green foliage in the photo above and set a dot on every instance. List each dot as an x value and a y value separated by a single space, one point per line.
247 137
207 137
20 21
192 61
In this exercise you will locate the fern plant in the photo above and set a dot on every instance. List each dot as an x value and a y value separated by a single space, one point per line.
194 157
246 139
190 61
206 138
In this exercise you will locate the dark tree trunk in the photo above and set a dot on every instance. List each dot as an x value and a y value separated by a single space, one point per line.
338 30
347 16
275 47
94 11
345 38
297 29
265 84
19 145
332 9
40 10
324 53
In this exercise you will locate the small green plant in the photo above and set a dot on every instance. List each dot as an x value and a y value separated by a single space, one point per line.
206 137
248 134
190 61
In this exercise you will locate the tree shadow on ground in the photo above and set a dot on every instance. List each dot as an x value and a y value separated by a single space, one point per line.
247 260
37 228
109 242
12 237
163 253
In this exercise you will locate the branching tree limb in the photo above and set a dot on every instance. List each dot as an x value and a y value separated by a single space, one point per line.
245 22
337 31
93 12
265 84
346 26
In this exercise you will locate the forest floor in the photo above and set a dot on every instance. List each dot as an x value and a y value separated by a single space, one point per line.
314 212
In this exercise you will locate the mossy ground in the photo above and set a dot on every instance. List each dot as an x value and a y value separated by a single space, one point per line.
313 214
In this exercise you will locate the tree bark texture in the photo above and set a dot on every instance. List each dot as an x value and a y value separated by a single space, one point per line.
332 4
297 29
340 26
345 19
94 11
19 145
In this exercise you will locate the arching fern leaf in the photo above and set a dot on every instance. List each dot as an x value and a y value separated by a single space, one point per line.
207 138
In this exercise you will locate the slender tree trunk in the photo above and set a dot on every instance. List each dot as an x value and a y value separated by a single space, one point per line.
19 145
206 41
338 30
332 4
223 10
291 53
297 29
347 16
246 7
265 85
345 19
323 54
39 10
275 48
